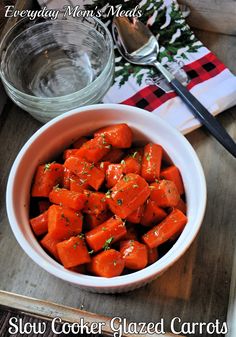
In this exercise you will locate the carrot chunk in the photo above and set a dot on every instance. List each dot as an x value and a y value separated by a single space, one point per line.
93 150
39 224
152 213
128 194
85 171
77 184
73 252
96 202
49 243
71 199
107 264
93 220
152 255
63 222
69 153
151 163
103 165
114 156
171 225
67 175
114 173
136 216
119 135
132 163
164 193
105 234
79 142
46 177
172 173
135 254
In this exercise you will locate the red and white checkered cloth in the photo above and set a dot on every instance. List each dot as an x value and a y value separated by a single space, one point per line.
208 79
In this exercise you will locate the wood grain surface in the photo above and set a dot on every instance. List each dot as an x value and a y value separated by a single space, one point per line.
196 288
212 15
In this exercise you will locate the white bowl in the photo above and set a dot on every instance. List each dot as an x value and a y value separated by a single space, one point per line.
55 136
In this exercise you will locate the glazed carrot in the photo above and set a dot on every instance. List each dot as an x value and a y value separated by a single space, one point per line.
85 171
43 205
114 156
181 206
128 194
132 163
73 252
114 173
136 216
135 254
93 220
67 175
119 135
49 243
94 149
171 225
96 202
107 264
105 234
39 224
77 184
69 153
103 165
71 199
46 177
152 255
152 213
79 142
164 193
172 173
63 222
151 163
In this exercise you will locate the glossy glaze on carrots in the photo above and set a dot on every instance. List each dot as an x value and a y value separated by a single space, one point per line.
107 208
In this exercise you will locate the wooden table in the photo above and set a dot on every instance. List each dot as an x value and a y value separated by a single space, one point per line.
197 287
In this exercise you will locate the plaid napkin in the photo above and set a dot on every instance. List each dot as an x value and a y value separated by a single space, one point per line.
180 51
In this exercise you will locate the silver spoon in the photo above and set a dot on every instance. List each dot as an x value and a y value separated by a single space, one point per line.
138 45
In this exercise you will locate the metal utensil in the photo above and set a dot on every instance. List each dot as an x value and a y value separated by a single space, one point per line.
138 45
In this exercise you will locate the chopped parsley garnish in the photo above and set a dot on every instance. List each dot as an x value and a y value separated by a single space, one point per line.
135 186
119 202
148 156
47 166
108 194
123 162
134 154
107 243
91 252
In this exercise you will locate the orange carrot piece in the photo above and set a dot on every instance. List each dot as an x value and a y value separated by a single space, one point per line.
172 173
114 173
119 135
171 225
39 224
69 153
73 252
114 156
96 202
132 163
164 193
93 220
49 243
182 206
79 142
152 213
71 199
63 222
127 195
105 234
67 175
151 163
46 177
136 216
135 254
85 171
77 184
108 263
152 255
94 149
103 165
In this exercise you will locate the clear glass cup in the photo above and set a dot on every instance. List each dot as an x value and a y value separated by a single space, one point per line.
49 67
